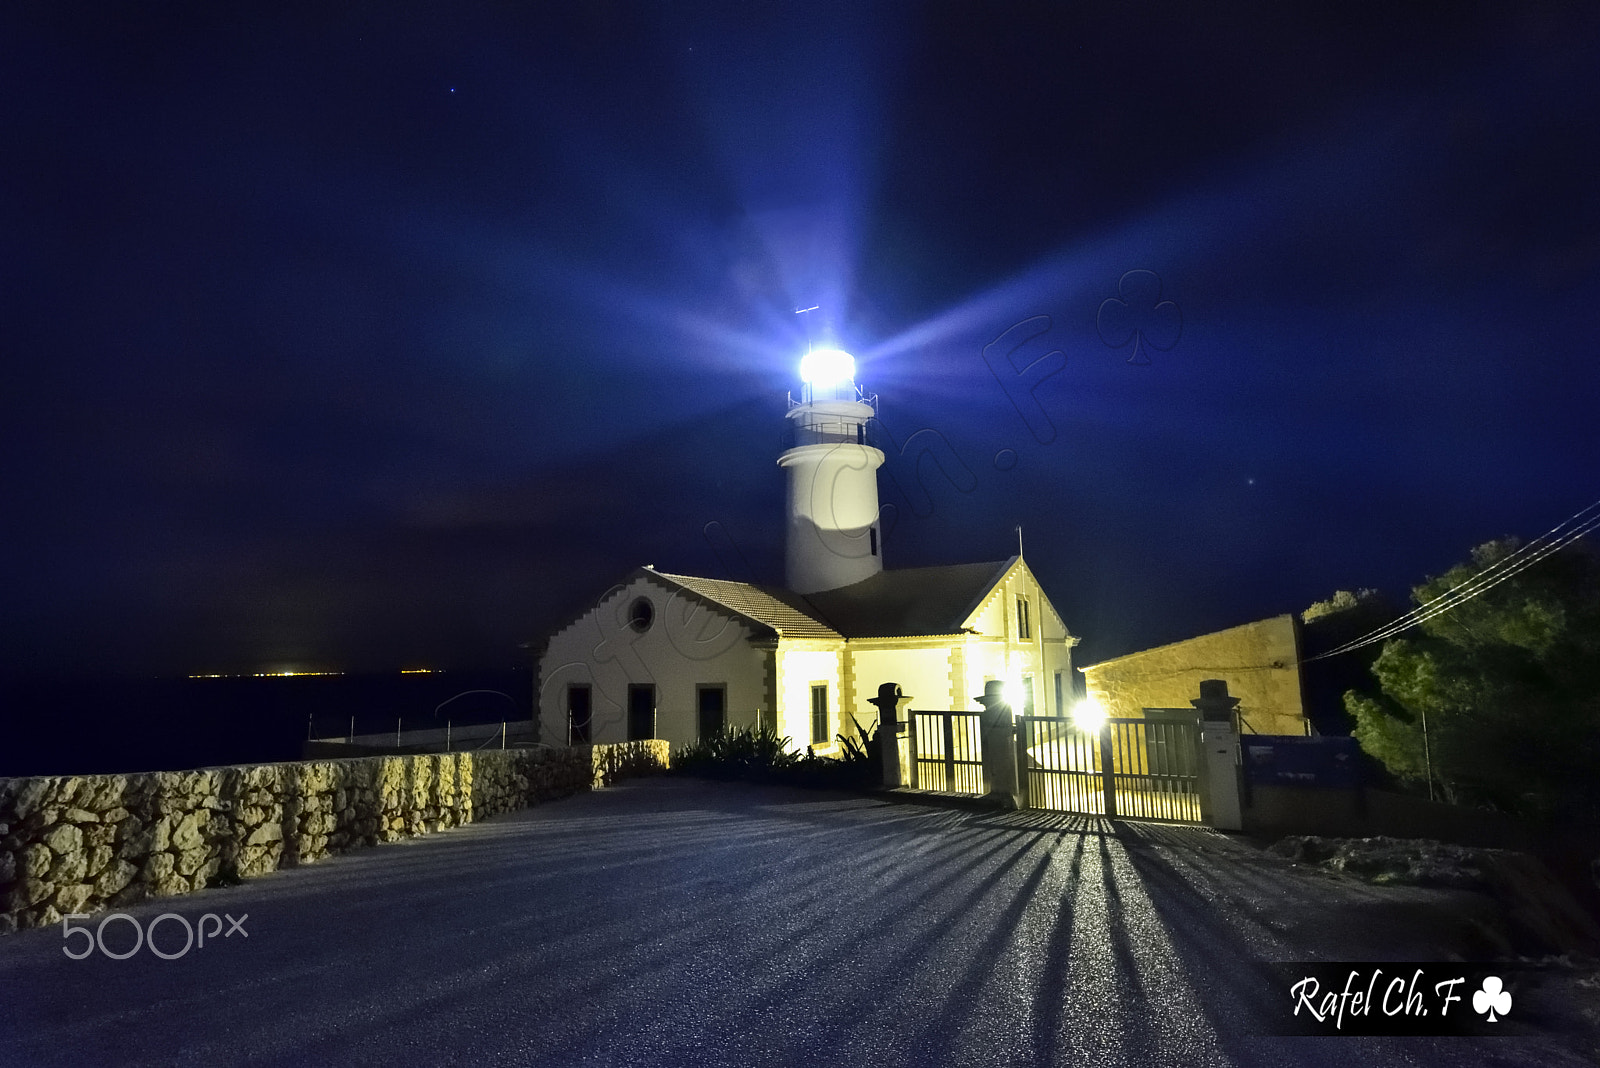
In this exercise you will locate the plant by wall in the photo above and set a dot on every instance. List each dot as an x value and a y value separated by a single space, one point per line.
759 754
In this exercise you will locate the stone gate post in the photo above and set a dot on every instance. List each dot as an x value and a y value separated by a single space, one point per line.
1219 756
892 736
999 739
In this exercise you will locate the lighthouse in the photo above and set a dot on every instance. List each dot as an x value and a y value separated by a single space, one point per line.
833 534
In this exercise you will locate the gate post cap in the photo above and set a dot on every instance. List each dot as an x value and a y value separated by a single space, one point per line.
1214 701
889 702
993 696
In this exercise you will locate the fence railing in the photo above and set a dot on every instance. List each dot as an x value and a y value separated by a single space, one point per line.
450 738
947 752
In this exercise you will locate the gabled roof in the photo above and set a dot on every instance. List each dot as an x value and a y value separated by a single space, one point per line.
910 601
782 611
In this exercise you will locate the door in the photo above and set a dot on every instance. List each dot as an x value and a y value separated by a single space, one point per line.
712 710
641 711
578 715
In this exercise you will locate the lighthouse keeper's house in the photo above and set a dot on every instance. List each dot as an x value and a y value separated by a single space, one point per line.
680 657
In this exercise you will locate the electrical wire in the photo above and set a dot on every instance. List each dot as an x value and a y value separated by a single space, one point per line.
1513 563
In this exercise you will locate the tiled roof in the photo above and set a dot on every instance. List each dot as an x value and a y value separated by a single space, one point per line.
909 601
785 612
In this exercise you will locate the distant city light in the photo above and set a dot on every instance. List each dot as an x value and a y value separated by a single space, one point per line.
827 367
268 675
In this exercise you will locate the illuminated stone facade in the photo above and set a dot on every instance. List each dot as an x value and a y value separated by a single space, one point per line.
706 653
1259 661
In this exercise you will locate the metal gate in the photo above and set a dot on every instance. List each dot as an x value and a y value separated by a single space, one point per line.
946 753
1144 768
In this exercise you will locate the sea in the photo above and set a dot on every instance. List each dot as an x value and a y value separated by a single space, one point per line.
103 725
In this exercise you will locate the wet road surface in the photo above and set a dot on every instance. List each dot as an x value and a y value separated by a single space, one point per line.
674 922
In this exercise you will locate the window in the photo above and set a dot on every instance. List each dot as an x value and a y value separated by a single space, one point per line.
872 533
819 713
711 703
641 614
1027 695
1061 709
578 715
1024 629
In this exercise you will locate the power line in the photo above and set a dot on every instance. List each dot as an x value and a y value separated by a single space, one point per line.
1520 560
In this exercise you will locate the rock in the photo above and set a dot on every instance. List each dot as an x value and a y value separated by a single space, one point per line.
31 795
114 815
37 860
158 866
210 874
136 846
116 876
79 815
73 788
69 868
267 832
63 838
191 861
8 866
74 898
99 835
169 885
27 892
186 835
106 793
256 815
8 924
99 857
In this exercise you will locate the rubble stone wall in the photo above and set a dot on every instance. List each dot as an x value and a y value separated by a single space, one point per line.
77 844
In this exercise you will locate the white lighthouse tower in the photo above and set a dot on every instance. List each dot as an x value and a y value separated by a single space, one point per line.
833 533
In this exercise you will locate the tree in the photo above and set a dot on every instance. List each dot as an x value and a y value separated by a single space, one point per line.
1497 700
1326 626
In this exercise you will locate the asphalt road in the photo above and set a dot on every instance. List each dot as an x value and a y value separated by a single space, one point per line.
675 922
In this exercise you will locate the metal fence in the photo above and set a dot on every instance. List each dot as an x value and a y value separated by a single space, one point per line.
947 752
1060 766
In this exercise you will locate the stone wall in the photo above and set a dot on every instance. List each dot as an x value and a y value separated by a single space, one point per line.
75 844
1259 662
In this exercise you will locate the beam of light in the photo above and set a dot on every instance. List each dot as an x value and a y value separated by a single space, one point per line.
1265 199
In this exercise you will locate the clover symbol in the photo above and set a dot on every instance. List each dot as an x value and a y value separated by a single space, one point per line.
1138 314
1492 999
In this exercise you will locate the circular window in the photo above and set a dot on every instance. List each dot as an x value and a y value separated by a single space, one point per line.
641 614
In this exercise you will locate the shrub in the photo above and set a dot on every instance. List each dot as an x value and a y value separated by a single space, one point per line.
758 754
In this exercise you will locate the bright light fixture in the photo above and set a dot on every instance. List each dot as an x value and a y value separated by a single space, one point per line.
827 367
1088 716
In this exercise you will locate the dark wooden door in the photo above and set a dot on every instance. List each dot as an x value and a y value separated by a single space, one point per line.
578 715
713 713
641 711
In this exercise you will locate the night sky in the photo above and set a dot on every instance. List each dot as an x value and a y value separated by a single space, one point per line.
377 336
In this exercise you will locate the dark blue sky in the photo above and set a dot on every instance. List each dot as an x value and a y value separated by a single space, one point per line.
389 335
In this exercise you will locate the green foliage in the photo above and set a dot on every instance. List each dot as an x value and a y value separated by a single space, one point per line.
1342 602
741 753
1507 683
758 754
